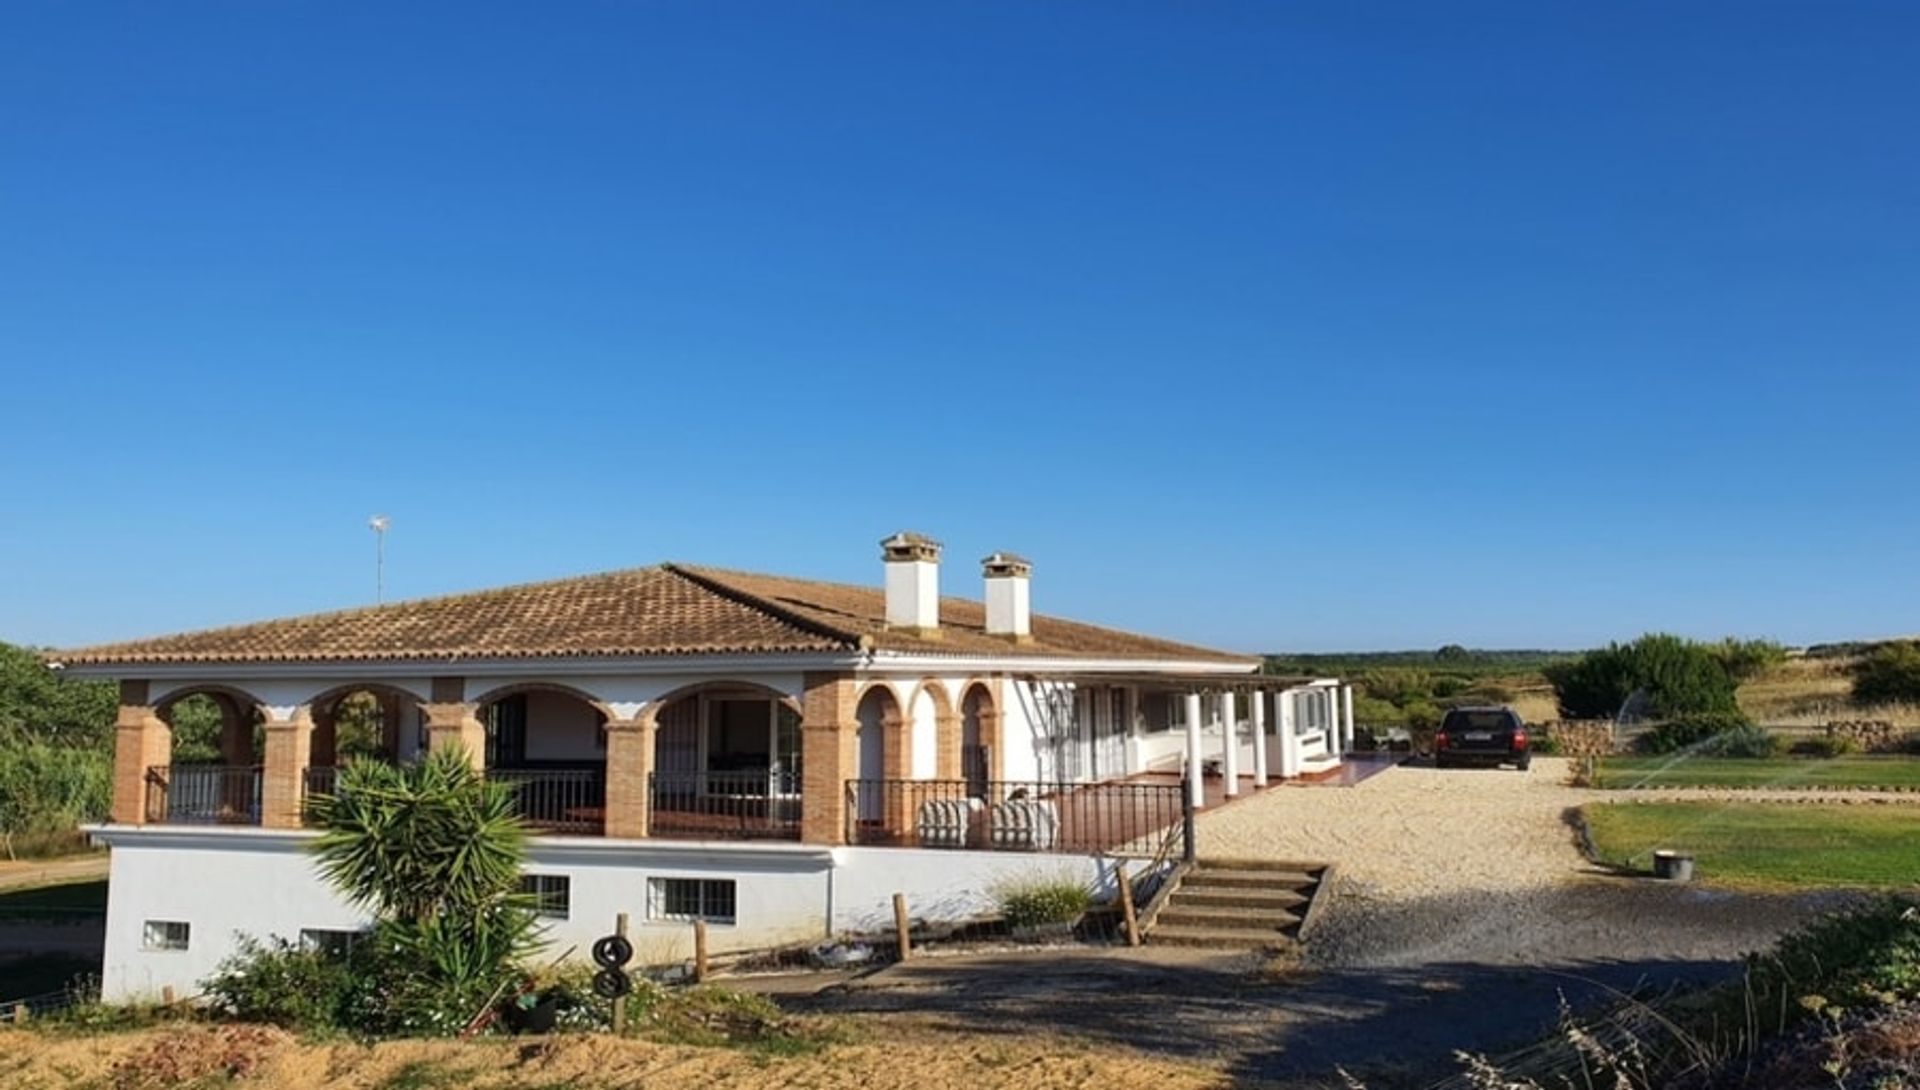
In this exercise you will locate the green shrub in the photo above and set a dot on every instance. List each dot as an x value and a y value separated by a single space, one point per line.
1679 677
1889 674
1451 685
1688 731
434 851
1743 659
1374 712
1861 957
1035 902
1826 746
46 790
1746 740
280 983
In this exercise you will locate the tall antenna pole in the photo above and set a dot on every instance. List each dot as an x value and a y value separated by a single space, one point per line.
378 524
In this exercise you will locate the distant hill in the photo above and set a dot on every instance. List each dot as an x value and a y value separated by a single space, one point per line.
1451 660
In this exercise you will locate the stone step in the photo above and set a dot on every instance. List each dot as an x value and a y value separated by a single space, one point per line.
1208 878
1243 938
1224 919
1292 865
1260 899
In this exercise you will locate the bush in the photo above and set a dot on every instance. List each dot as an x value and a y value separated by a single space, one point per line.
1746 740
1679 677
1889 674
46 790
1032 903
1865 956
1688 731
1826 746
281 984
1743 659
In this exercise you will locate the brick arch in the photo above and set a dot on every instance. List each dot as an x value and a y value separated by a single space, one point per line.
492 696
240 713
649 714
324 706
980 703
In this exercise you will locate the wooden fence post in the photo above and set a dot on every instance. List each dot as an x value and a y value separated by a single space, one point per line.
620 1004
19 1013
699 951
1126 904
900 925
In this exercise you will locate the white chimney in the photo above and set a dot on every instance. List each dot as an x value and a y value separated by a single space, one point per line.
913 581
1009 609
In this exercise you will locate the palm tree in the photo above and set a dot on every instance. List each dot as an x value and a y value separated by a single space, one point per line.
434 852
416 842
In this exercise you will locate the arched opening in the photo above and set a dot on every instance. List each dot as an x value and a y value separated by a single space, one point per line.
933 734
979 723
370 722
876 758
212 776
727 763
550 743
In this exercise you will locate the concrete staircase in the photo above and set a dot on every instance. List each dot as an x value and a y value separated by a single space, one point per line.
1238 904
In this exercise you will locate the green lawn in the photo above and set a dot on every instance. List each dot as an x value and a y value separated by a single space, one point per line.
44 902
1766 844
1678 771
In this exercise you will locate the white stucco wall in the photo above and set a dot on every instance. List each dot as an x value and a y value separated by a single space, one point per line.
562 728
943 885
227 882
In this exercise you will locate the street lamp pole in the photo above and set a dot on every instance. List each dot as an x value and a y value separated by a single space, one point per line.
378 524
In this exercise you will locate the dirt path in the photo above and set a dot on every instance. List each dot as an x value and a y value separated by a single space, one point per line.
28 873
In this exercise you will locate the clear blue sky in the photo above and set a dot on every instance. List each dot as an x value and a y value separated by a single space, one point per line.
1309 326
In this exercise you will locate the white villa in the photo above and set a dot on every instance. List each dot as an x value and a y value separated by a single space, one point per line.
774 756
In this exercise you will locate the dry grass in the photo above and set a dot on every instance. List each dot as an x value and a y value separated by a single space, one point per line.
900 1057
1810 693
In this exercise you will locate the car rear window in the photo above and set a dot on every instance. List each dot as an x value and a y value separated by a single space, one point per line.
1478 721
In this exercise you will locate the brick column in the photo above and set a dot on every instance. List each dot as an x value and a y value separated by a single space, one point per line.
947 743
828 729
629 777
283 777
141 740
457 724
896 766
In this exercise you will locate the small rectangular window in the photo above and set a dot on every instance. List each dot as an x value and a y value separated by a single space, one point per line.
334 944
167 935
552 894
709 899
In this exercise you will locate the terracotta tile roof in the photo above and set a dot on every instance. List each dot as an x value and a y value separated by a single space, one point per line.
963 622
665 610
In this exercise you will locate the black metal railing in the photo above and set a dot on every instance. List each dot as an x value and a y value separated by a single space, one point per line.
318 780
558 800
755 805
1088 818
203 794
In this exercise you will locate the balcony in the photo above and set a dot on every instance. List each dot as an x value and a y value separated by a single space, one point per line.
203 794
1079 819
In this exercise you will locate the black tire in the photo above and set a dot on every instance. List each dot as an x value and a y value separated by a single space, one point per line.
1441 762
612 984
612 952
1524 763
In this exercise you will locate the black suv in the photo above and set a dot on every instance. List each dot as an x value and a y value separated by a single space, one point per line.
1488 736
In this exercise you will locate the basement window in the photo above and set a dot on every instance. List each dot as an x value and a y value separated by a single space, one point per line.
334 944
552 894
166 935
709 899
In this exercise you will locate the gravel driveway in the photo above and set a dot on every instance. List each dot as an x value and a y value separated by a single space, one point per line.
1484 866
1464 915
